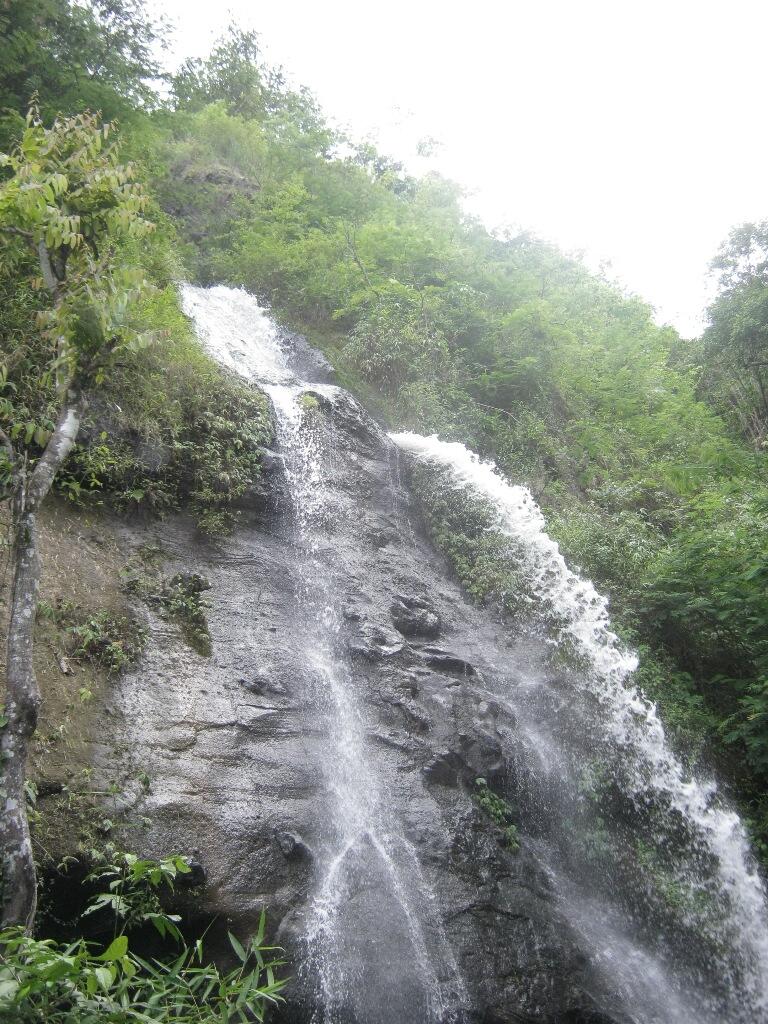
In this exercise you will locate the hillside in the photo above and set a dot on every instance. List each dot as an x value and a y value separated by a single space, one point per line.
646 452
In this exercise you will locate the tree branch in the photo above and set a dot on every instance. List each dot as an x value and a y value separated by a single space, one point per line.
58 448
495 408
16 231
50 280
356 259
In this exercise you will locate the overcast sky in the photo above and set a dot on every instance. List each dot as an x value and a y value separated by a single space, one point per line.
634 131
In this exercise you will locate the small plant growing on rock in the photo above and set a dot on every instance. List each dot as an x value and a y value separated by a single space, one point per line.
105 638
113 641
181 598
499 811
46 982
309 403
178 598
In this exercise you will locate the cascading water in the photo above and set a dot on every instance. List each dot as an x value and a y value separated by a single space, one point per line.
649 866
704 955
363 848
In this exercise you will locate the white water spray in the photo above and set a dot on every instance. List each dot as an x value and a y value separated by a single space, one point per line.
363 842
583 620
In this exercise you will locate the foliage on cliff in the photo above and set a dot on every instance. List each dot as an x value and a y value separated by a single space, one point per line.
646 451
501 341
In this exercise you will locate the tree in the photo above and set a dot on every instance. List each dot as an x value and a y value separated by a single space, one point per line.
98 54
68 201
735 345
236 74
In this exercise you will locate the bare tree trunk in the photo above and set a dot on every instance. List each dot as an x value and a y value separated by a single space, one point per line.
19 882
21 707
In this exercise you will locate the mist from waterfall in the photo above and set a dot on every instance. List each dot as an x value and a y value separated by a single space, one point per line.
653 870
348 959
714 870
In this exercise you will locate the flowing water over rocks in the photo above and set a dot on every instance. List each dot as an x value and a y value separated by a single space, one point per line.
323 761
714 875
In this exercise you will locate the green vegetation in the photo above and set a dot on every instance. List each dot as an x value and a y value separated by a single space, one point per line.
500 812
178 599
173 430
96 56
732 352
462 525
47 982
309 403
110 640
66 203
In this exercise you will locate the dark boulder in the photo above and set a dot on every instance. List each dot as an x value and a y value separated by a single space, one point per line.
415 617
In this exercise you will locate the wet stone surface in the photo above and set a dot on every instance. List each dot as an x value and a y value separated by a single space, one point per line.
236 750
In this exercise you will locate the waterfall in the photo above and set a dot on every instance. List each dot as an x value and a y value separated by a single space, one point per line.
649 867
721 917
346 959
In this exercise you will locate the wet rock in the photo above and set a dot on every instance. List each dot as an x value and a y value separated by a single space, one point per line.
482 754
195 876
588 1015
292 846
358 433
307 362
414 616
262 684
445 768
179 739
271 462
383 536
388 740
415 719
375 643
445 661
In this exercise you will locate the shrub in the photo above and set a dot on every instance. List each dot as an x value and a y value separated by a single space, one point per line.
47 982
110 640
500 812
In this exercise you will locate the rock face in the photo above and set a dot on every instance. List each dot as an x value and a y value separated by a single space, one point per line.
414 616
236 756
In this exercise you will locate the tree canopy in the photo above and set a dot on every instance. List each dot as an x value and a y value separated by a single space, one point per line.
646 452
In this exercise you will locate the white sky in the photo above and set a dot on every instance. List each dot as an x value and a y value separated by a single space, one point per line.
633 130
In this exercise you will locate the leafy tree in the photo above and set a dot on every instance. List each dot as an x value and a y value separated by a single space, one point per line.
99 54
735 345
68 201
235 74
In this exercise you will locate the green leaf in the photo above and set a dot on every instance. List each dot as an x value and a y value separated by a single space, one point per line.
236 945
116 949
104 976
8 989
129 967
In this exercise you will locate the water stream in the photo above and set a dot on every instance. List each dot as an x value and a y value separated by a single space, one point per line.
698 852
651 867
367 860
